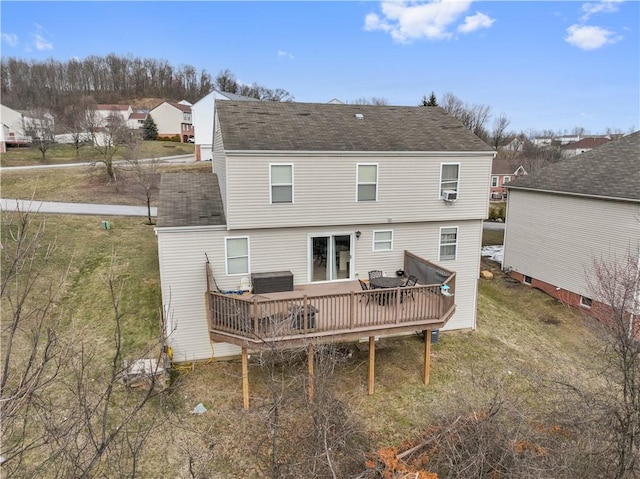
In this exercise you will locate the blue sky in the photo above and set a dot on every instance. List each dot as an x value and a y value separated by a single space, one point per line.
546 65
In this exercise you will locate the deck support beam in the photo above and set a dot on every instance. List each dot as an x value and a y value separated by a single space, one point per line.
245 378
372 361
310 359
427 355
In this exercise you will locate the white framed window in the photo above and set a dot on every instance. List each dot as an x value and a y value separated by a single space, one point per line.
527 280
448 243
449 177
237 255
281 181
494 181
383 240
367 182
506 180
585 302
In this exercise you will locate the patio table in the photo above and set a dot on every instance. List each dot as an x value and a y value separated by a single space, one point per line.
386 282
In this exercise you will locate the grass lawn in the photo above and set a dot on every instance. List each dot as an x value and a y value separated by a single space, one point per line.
81 185
523 338
64 153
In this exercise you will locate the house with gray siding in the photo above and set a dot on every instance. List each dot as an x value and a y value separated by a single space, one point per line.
313 197
568 215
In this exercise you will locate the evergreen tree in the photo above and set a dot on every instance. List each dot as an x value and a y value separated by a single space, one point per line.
149 129
432 101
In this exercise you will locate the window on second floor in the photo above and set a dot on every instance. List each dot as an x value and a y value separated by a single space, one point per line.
448 243
237 255
449 177
383 240
367 181
281 181
494 181
506 179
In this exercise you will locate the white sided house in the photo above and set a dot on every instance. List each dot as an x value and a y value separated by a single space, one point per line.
202 115
568 215
172 119
304 201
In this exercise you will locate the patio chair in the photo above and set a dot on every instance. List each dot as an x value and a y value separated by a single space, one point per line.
411 281
365 287
376 273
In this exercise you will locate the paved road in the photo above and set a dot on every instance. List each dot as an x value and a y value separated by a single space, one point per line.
164 159
75 208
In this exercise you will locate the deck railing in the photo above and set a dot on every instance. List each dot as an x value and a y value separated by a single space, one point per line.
262 321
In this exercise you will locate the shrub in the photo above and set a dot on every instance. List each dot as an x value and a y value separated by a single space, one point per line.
497 211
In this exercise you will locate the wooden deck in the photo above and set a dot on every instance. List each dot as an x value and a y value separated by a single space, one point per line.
327 312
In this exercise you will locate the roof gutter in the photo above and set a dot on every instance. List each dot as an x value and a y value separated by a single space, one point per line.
281 153
569 193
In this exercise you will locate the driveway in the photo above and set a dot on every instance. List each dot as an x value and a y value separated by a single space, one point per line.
75 208
493 225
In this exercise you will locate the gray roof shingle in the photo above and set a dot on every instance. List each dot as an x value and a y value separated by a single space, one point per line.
288 126
611 170
190 199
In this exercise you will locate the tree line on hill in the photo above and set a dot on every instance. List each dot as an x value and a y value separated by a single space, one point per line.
111 79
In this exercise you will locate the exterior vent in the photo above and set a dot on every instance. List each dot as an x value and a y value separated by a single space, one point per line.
449 195
359 116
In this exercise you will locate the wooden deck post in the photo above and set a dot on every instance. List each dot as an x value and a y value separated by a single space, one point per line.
427 355
372 360
310 359
245 378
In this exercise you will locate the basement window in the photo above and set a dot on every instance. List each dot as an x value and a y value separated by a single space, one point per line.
585 302
527 280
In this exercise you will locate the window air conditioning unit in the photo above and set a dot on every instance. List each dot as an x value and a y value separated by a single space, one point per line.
449 195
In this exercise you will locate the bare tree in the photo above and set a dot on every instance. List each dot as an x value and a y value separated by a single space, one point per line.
145 174
473 117
39 125
376 101
109 135
499 133
65 413
615 285
75 121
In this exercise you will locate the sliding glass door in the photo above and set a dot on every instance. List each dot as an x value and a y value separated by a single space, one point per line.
330 257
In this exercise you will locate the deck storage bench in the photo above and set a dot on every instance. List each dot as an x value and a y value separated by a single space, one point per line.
273 282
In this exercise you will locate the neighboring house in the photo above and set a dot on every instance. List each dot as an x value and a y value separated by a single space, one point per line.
105 111
173 119
202 114
567 215
12 124
136 119
583 145
512 143
305 200
502 172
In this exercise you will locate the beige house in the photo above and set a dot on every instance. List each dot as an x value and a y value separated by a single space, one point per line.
565 216
11 128
305 200
173 119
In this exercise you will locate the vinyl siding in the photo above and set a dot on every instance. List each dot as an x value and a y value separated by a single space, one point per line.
182 269
219 166
325 191
555 238
167 118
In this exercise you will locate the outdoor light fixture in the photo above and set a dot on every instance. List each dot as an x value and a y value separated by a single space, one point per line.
358 234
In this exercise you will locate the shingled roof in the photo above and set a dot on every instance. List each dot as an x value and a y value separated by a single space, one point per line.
288 126
190 199
611 171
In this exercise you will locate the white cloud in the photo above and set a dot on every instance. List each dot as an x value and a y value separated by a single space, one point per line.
475 22
282 53
39 41
10 39
604 6
590 38
407 21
